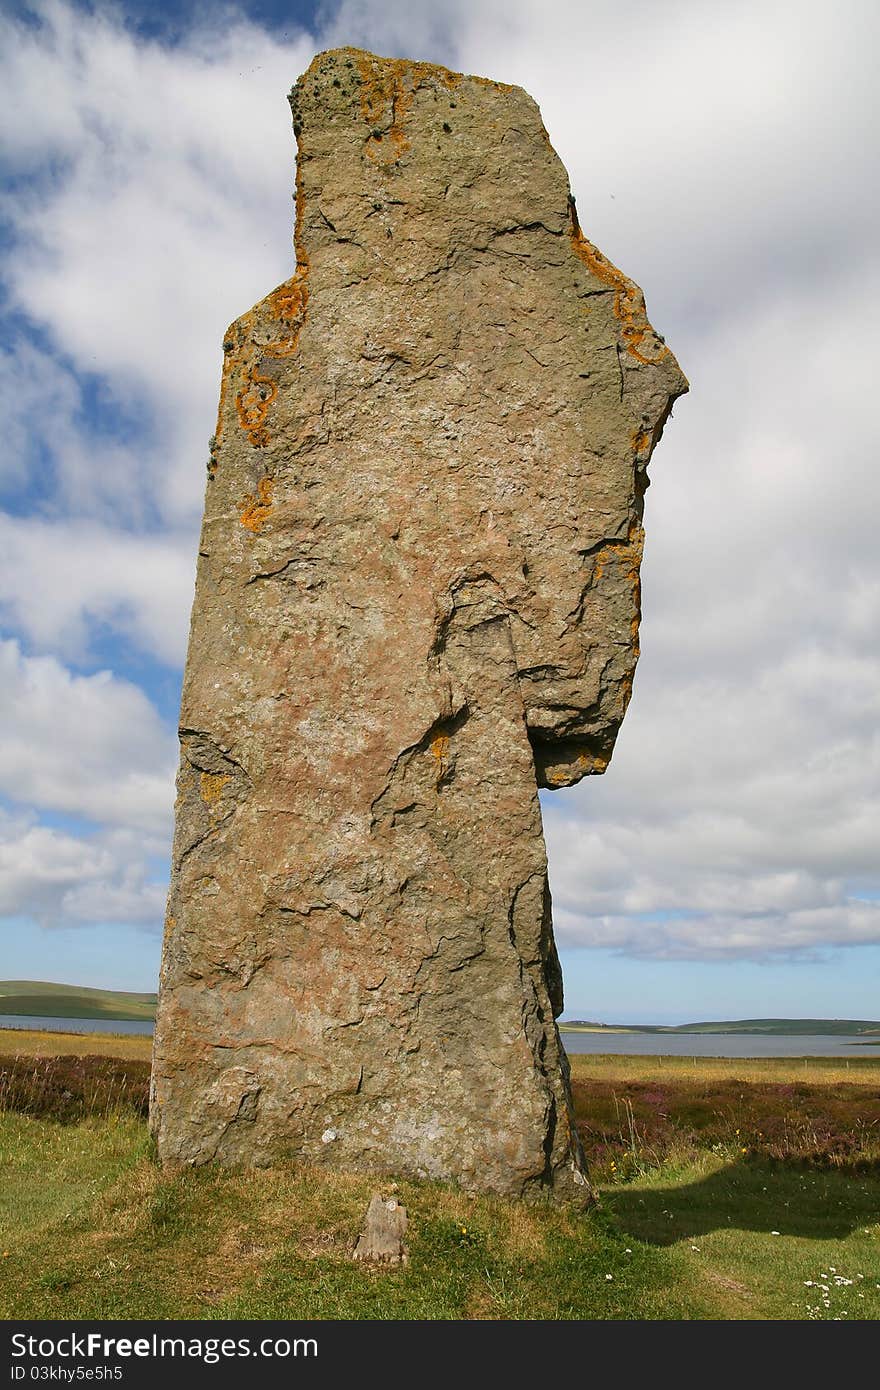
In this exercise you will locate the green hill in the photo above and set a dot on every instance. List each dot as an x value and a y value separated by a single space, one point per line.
794 1027
33 998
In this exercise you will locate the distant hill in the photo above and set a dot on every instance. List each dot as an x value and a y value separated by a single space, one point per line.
849 1027
32 998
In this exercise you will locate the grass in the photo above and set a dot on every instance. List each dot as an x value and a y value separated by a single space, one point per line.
35 1042
769 1241
723 1196
827 1071
126 1241
635 1117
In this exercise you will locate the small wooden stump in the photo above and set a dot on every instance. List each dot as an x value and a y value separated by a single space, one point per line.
381 1240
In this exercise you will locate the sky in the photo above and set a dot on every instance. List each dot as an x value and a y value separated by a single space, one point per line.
724 156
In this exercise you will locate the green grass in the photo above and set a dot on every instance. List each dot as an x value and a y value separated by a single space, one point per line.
769 1240
722 1197
35 998
52 1170
124 1241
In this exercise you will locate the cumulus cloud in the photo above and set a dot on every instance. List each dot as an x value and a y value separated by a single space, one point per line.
715 150
724 157
157 207
62 580
61 879
88 745
739 815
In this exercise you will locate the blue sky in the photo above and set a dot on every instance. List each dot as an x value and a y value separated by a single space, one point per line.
726 865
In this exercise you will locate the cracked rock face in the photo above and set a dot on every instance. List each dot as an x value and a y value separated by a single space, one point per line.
417 602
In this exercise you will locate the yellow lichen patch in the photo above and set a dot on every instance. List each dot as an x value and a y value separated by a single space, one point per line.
626 688
487 82
440 753
286 306
258 506
629 302
630 549
211 786
629 552
252 404
583 766
234 339
387 90
557 779
288 303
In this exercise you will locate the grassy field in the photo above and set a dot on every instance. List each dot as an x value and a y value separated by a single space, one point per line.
37 1042
729 1190
35 998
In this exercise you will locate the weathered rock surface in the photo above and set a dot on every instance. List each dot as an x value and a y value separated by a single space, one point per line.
417 602
381 1240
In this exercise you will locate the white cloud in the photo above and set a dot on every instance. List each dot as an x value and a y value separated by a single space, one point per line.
35 391
807 932
87 745
61 879
723 156
53 452
161 209
714 149
60 579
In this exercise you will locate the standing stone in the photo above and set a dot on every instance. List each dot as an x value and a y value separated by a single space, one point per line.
417 602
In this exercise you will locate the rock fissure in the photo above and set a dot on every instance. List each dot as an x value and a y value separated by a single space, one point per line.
417 602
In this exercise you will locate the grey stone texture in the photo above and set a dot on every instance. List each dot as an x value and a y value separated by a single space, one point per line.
417 602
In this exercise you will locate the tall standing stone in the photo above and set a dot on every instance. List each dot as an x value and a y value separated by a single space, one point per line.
417 602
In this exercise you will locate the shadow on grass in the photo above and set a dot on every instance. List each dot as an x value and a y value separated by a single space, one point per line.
781 1198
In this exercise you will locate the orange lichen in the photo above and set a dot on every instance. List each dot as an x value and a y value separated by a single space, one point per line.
387 90
584 765
630 549
629 302
440 753
257 507
246 358
252 404
629 553
211 786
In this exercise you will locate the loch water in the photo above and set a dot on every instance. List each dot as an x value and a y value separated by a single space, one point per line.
622 1044
719 1044
77 1025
